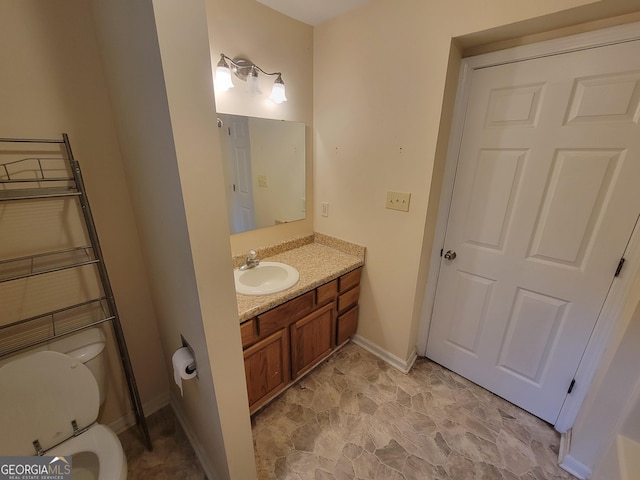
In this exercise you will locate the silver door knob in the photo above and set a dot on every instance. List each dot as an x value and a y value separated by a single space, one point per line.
450 255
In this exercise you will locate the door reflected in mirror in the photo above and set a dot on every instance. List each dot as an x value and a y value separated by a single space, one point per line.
264 168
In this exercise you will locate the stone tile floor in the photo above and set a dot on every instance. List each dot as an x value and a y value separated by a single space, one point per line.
355 417
172 457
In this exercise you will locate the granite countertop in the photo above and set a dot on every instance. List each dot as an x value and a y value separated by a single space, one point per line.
317 263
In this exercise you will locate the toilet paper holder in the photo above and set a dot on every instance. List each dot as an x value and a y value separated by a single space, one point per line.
192 367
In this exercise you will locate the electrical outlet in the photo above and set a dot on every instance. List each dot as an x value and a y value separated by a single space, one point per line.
325 209
262 181
398 201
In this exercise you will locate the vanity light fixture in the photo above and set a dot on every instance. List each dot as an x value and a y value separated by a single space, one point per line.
247 71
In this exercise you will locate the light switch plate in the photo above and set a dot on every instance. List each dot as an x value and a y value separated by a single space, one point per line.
325 209
398 201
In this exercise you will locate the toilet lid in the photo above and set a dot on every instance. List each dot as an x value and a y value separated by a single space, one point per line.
40 395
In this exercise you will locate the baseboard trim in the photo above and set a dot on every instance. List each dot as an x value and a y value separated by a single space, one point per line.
403 365
197 448
567 462
129 419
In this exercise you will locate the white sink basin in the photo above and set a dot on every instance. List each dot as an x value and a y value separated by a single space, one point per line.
266 278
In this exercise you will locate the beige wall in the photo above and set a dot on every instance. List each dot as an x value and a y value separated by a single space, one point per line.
52 81
379 88
275 42
157 59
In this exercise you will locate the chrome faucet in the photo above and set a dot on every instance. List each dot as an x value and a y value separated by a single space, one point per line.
252 261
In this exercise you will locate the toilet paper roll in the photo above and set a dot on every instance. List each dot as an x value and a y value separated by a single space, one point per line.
183 359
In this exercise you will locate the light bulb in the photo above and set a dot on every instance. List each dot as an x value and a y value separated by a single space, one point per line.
278 92
252 82
222 82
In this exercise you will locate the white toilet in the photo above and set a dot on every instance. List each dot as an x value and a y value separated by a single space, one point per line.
44 393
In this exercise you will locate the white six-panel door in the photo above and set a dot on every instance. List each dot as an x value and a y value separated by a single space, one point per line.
546 195
240 156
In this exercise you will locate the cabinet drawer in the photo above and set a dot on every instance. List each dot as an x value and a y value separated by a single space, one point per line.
283 315
349 299
347 325
349 280
327 292
249 332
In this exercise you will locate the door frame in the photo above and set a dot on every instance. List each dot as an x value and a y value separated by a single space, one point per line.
609 318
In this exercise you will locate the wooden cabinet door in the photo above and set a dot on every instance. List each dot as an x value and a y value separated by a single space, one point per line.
266 366
311 339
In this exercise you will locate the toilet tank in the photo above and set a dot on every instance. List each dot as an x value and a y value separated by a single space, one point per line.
86 346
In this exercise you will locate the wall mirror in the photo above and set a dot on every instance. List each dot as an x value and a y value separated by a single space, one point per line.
264 168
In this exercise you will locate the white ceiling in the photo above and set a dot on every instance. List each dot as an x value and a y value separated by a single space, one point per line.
313 12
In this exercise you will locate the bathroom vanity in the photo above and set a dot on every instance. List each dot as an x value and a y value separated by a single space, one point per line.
285 335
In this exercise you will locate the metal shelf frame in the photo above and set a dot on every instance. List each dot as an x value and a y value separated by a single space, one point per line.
49 262
34 331
30 332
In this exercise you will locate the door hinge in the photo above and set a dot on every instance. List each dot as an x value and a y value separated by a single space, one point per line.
441 251
619 269
573 383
